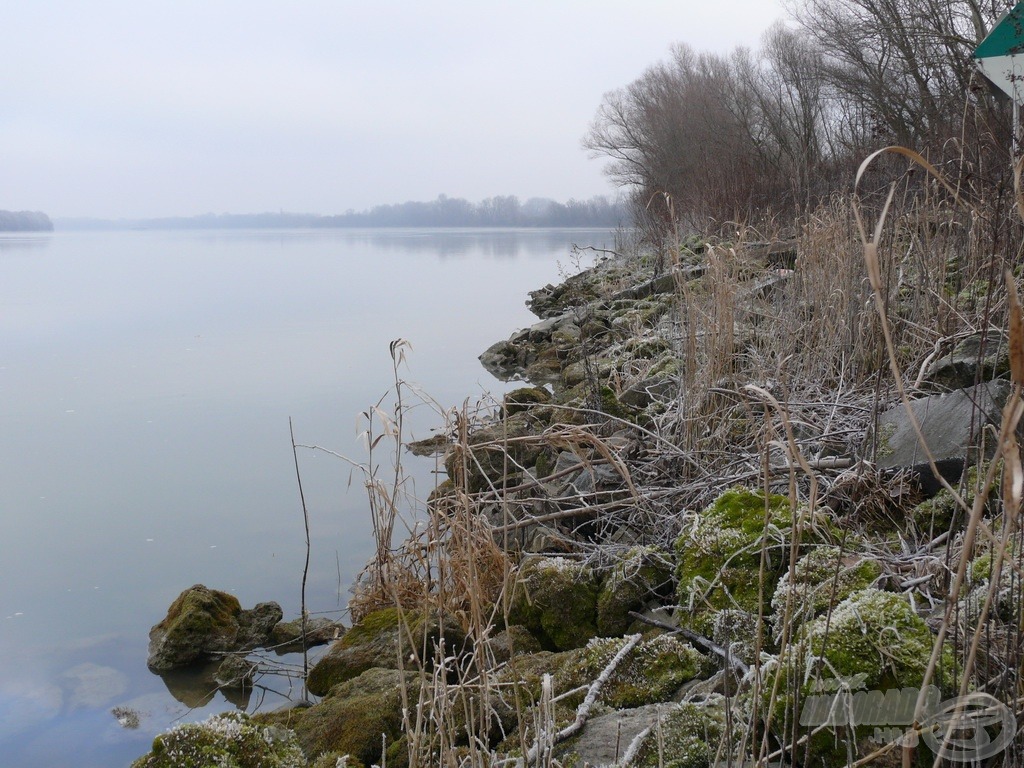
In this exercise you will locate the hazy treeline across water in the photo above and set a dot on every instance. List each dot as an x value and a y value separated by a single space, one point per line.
500 211
25 221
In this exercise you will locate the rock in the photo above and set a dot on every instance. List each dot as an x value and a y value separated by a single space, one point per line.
952 425
256 625
689 736
979 357
719 558
230 739
605 738
202 622
872 641
286 637
533 351
556 599
653 671
374 643
199 622
641 574
523 399
822 578
353 717
511 642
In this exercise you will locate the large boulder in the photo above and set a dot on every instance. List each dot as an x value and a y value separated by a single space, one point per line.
952 425
375 642
202 622
356 718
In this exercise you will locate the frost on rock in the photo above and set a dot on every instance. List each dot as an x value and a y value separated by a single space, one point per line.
229 740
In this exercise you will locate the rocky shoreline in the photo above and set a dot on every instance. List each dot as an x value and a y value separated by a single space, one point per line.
652 543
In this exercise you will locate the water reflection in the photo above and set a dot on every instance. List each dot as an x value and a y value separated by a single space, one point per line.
16 243
195 687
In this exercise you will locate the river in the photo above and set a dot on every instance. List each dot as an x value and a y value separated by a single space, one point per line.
147 379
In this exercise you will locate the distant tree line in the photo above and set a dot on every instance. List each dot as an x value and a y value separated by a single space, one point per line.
25 221
500 211
704 138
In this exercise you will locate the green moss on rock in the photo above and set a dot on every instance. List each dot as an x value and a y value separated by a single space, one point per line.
651 673
200 621
352 719
643 573
822 579
556 599
230 740
719 558
872 641
374 642
689 736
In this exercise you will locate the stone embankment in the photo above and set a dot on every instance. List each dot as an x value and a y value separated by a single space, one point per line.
657 602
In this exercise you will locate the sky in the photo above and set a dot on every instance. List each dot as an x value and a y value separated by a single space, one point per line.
129 109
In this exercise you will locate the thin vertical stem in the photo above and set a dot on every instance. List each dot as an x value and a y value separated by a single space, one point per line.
305 567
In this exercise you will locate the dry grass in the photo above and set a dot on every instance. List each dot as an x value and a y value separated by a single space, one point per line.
780 373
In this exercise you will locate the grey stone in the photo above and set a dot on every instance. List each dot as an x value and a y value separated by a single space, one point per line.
605 739
960 366
952 426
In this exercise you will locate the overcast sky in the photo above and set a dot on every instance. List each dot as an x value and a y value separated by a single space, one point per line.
134 108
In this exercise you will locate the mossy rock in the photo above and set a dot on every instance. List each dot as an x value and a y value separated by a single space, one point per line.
719 559
689 736
287 635
643 573
525 398
199 622
872 641
488 462
651 673
338 760
374 642
556 599
822 579
356 717
231 740
513 641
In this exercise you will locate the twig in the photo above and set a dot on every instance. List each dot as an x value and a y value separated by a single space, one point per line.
693 637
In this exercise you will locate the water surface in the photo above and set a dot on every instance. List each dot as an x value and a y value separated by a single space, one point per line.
146 385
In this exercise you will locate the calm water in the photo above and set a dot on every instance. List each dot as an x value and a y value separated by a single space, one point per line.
146 382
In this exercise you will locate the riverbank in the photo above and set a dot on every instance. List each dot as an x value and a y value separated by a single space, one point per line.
705 519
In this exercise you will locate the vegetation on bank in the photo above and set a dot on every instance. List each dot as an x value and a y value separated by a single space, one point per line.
687 542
